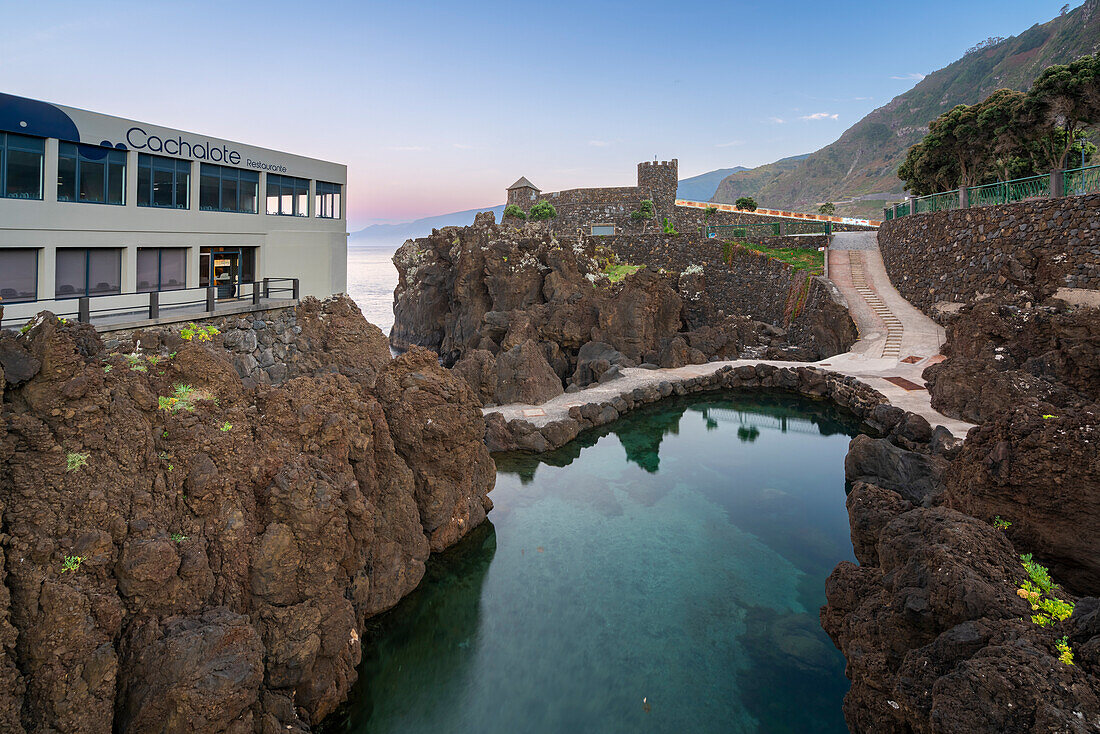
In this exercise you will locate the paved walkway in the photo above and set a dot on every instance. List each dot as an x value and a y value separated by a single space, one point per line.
896 343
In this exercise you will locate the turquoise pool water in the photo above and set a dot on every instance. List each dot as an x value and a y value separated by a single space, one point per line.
661 575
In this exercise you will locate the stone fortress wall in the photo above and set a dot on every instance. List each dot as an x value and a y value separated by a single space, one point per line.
1030 248
579 209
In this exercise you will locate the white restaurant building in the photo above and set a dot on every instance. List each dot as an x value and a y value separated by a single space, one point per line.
111 209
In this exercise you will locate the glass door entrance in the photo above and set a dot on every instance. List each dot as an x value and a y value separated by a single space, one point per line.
226 271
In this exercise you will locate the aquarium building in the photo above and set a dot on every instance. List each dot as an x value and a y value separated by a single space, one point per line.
100 213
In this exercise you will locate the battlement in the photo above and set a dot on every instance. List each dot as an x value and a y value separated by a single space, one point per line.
674 163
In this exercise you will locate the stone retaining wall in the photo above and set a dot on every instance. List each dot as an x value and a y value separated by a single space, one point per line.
1031 248
262 346
866 403
745 282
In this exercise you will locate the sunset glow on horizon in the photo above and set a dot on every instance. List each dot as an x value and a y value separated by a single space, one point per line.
438 107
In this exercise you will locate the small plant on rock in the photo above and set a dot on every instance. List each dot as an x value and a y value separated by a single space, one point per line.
667 227
226 427
1038 591
514 211
1065 652
136 365
181 399
178 537
75 461
191 332
71 563
1000 523
26 327
107 368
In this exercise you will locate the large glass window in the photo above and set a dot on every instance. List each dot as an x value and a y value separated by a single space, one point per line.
287 196
88 173
21 160
18 274
161 268
225 189
88 272
327 204
164 182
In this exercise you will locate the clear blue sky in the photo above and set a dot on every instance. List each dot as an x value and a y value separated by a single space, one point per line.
438 106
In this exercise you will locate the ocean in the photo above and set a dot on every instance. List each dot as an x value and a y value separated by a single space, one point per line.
371 280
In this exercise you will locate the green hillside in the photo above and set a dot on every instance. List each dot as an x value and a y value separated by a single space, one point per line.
859 170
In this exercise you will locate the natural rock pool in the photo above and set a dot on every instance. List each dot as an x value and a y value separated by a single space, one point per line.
661 574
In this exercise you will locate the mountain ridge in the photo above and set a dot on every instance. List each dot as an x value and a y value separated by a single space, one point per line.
858 171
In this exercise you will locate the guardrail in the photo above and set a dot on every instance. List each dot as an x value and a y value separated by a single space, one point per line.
112 309
1074 182
779 213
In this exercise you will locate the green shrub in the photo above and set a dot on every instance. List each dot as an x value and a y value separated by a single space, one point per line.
514 211
1065 652
1037 591
747 203
543 210
74 461
667 227
200 333
1000 523
828 208
645 211
181 399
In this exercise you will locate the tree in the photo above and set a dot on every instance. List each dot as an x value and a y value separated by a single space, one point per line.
542 210
1000 118
747 203
514 211
955 152
828 208
645 212
1065 96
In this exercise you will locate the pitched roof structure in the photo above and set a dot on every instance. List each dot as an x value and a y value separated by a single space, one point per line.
523 183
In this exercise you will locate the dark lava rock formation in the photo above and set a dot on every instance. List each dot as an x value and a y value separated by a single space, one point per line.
204 558
522 314
936 638
1005 352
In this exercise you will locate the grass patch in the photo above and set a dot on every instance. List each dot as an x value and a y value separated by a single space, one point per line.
798 258
617 271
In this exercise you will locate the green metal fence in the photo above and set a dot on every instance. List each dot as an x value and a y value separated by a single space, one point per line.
903 210
889 214
1081 181
1007 192
936 202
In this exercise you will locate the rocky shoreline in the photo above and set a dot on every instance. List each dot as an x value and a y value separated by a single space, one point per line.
187 550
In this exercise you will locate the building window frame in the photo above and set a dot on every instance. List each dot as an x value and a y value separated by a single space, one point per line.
14 142
37 262
222 175
81 156
328 201
180 173
88 272
287 196
160 285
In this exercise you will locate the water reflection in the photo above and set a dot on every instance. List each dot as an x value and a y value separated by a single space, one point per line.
661 557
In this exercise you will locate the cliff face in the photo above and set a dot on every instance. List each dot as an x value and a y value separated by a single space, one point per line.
521 314
184 553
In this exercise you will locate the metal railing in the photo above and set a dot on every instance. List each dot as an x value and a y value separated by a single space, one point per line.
936 202
112 309
1081 181
1009 192
1073 182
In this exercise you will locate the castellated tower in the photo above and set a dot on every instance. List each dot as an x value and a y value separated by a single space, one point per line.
659 180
